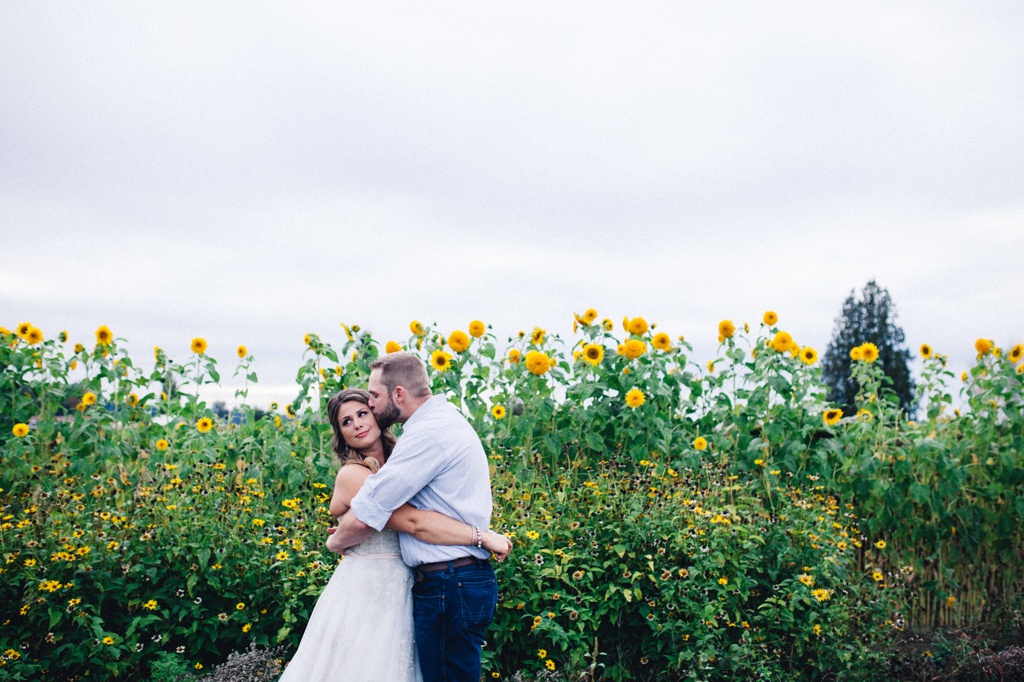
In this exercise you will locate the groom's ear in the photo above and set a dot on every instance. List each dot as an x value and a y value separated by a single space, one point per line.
398 395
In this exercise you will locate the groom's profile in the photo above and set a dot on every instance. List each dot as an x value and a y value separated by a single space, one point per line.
438 464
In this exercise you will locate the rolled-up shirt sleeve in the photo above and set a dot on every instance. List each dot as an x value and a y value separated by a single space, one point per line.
414 463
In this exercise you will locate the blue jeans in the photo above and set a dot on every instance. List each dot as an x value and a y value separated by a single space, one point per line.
451 611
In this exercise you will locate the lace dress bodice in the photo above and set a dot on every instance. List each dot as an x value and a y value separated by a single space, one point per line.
379 545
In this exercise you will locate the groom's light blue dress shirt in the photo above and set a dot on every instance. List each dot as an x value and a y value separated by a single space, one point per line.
438 464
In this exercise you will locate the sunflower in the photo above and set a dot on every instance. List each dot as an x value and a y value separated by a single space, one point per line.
725 330
635 398
593 353
199 345
23 329
637 325
809 355
104 336
132 400
868 352
781 342
983 346
711 366
634 348
416 328
348 332
770 318
458 341
89 398
440 360
204 425
514 355
1016 353
20 430
926 351
537 337
538 363
498 411
607 324
35 335
162 445
4 331
661 341
832 417
699 443
590 315
477 328
392 347
855 353
576 355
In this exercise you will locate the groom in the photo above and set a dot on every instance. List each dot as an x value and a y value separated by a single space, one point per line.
440 465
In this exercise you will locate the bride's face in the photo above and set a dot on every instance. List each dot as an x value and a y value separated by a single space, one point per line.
358 426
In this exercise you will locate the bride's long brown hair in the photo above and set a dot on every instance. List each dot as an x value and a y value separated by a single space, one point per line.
348 454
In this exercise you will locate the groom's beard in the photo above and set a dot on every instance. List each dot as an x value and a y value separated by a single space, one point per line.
386 415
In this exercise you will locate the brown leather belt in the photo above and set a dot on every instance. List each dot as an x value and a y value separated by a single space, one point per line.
454 563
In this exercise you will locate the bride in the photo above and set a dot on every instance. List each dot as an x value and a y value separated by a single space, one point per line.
361 627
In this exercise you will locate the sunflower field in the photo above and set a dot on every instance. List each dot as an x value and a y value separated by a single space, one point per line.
672 519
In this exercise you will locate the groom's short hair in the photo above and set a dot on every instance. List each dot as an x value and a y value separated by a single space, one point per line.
405 370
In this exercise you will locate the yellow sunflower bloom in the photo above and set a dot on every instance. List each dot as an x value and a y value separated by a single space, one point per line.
23 329
593 353
634 348
416 328
162 445
199 345
133 400
498 411
440 360
868 352
89 398
590 315
770 318
242 351
20 430
392 347
700 443
637 325
79 348
538 363
726 329
855 353
808 355
607 324
983 346
204 425
537 337
458 341
635 398
661 341
514 355
832 417
104 337
35 335
477 328
926 351
782 342
1016 353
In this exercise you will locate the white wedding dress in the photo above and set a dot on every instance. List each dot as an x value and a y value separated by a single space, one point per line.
361 628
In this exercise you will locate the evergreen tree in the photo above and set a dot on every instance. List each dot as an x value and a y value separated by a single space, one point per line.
869 319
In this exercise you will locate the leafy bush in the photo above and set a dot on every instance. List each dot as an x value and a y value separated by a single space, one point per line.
672 520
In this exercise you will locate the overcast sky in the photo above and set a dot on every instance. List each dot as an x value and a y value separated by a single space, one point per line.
249 172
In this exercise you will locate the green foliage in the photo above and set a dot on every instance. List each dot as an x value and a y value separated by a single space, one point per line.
870 319
137 542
